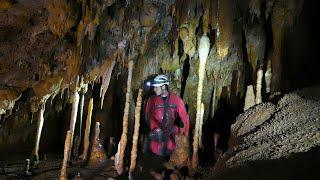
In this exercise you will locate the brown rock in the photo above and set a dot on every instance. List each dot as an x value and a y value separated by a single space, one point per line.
180 156
148 17
98 155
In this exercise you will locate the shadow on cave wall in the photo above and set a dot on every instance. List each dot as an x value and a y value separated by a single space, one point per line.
301 56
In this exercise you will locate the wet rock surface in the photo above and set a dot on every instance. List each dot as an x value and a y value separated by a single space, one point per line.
267 135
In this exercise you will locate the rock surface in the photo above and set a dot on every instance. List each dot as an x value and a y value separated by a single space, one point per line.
287 132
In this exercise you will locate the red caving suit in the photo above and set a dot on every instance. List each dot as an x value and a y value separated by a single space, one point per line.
154 112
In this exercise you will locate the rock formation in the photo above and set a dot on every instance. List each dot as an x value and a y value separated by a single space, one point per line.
46 47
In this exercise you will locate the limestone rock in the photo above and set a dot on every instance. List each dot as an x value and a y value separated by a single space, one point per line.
250 98
268 135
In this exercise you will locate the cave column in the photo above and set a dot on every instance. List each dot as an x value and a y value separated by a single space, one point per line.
136 133
74 112
204 48
67 143
123 141
86 140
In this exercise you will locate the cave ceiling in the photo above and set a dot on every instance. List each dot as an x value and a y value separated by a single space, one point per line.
49 47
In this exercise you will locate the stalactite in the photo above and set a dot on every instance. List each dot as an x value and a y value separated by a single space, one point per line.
213 104
62 93
250 98
225 27
200 125
283 15
268 77
205 20
39 130
259 86
136 132
81 111
83 91
255 7
67 147
74 112
123 141
87 131
77 138
105 82
204 48
31 118
213 14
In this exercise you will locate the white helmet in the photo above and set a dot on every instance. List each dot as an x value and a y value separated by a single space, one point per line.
160 80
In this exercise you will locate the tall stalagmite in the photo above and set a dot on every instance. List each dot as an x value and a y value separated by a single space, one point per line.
136 132
67 147
86 141
204 48
74 112
259 86
123 141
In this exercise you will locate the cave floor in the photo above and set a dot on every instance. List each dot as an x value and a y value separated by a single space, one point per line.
299 166
49 167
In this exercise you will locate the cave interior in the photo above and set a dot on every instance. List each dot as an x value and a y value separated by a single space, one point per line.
73 86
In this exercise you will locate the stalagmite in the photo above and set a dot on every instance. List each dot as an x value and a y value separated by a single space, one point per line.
268 76
67 147
136 132
97 155
259 86
35 152
27 168
123 141
200 125
74 112
204 48
87 131
250 99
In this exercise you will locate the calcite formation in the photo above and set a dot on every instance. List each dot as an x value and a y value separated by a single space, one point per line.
97 156
7 100
46 45
250 98
134 150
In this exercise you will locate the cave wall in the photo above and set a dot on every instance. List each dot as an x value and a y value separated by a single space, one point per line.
45 45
